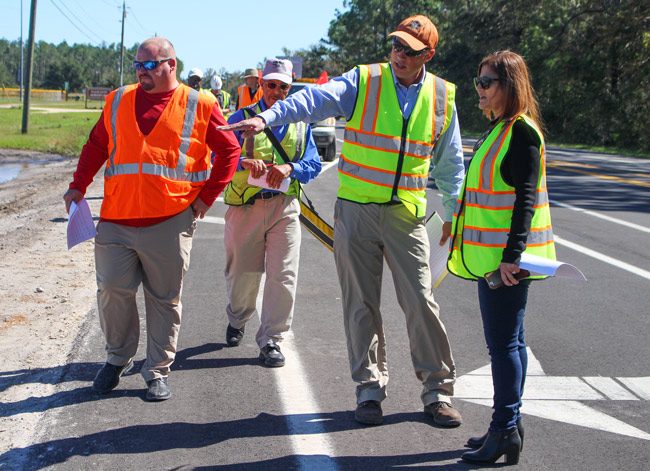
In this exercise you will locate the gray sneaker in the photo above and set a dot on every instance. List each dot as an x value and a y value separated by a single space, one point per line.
158 390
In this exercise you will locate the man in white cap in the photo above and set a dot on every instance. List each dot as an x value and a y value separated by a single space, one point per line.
194 78
262 233
401 120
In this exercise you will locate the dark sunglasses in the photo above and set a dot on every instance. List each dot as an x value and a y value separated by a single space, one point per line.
284 86
484 81
149 65
399 47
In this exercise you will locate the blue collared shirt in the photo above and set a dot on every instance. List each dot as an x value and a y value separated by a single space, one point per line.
338 97
305 169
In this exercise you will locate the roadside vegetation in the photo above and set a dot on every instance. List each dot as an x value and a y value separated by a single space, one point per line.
55 133
589 59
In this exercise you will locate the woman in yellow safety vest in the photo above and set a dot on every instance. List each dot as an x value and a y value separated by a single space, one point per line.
502 213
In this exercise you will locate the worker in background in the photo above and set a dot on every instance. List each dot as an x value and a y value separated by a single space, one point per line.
222 96
250 91
262 234
194 78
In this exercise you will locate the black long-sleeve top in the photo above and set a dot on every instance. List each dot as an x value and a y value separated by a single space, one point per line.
520 168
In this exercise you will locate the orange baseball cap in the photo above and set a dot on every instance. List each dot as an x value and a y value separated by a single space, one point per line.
418 32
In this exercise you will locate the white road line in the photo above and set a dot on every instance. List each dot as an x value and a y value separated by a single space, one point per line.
329 165
213 220
301 413
602 257
308 436
639 386
610 388
603 216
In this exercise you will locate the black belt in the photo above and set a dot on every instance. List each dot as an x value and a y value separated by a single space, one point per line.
264 195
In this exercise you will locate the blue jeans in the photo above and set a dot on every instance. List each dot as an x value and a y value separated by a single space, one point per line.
502 311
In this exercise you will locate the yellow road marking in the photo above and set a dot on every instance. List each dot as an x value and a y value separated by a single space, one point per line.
601 176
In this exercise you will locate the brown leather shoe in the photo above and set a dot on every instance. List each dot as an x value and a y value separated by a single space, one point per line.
444 414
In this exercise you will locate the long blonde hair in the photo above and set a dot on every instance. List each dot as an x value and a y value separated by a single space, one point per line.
514 78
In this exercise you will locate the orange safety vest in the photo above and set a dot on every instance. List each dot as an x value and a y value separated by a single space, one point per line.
244 95
159 174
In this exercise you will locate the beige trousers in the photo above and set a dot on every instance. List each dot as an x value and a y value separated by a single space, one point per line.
365 234
157 257
263 237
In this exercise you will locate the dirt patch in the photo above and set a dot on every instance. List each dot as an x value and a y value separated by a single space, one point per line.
46 290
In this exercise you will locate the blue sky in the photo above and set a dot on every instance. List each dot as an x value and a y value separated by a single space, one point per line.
206 34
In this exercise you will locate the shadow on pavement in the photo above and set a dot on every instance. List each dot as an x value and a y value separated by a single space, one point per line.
141 439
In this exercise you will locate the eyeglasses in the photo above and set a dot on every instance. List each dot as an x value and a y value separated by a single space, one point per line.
283 86
149 65
484 81
399 47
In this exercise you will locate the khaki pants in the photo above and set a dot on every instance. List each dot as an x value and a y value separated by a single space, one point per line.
157 257
263 237
365 234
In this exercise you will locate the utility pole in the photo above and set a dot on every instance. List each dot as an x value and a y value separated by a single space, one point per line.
22 49
30 63
122 44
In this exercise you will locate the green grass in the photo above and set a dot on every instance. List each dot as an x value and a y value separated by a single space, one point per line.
56 133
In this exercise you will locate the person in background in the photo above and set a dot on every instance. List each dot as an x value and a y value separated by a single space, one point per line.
497 220
262 232
194 78
153 140
400 118
222 96
249 92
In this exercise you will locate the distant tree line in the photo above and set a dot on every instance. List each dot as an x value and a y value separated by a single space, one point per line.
589 59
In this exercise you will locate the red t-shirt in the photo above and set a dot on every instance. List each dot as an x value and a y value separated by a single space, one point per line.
148 108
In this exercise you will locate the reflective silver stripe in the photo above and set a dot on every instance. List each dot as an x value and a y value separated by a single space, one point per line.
300 139
178 173
186 134
123 169
441 107
499 200
388 143
500 238
488 160
371 100
411 182
108 172
175 174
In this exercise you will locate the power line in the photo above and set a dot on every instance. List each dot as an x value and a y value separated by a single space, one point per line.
90 17
73 23
144 30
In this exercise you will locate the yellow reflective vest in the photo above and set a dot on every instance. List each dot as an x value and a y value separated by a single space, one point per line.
239 191
483 213
384 156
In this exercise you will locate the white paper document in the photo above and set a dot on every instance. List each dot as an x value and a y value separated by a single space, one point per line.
543 266
81 226
262 183
439 254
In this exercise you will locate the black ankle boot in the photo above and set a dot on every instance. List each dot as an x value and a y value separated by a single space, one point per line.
497 444
477 442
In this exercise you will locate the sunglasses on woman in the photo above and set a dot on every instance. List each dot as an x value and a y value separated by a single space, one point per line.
484 81
283 86
399 47
149 65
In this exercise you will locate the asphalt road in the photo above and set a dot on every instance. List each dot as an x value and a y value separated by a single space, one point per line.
586 405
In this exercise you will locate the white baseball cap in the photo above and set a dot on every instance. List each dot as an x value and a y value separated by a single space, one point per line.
195 72
278 69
